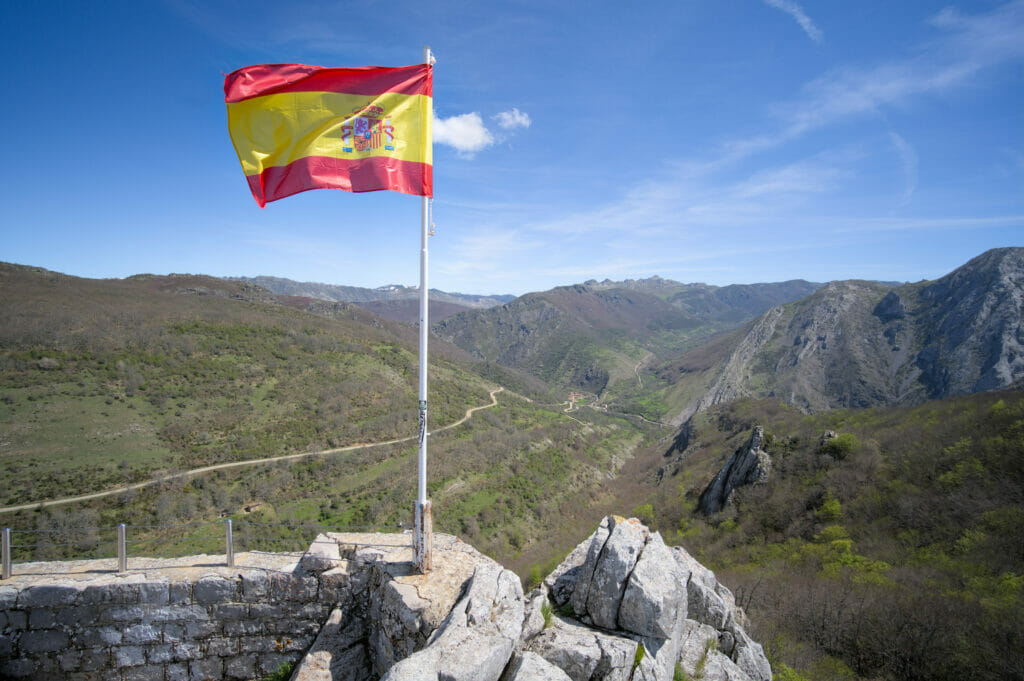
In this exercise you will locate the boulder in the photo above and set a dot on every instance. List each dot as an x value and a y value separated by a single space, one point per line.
655 593
585 654
529 666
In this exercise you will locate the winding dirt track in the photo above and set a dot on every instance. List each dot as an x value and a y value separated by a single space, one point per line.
250 462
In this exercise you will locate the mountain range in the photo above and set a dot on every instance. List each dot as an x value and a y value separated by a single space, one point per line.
394 301
817 347
914 511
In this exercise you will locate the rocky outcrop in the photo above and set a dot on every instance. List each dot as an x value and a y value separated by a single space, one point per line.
633 609
476 640
669 605
749 465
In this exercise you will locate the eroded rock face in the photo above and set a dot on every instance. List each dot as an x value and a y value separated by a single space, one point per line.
584 653
655 594
670 604
749 465
476 640
609 568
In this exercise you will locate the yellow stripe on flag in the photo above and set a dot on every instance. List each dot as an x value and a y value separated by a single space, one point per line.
276 130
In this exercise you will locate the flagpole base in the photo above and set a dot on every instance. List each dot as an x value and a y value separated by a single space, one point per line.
423 539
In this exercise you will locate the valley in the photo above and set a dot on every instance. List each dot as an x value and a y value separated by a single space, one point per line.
294 412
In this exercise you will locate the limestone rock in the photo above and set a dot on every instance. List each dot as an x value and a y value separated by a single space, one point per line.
712 607
476 640
533 622
749 465
581 587
698 650
654 594
562 581
749 656
529 666
718 667
585 654
612 566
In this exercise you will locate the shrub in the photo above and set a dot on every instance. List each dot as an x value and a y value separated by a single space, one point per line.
841 445
645 514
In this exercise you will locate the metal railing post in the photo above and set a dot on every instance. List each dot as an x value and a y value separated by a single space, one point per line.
229 541
6 570
122 549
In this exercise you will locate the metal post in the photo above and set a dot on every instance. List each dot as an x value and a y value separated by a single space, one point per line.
5 573
122 549
230 543
422 537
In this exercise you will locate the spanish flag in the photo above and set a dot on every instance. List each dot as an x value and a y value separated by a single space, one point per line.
364 129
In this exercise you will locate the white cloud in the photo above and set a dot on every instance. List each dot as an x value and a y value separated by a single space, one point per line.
797 12
908 162
509 120
466 133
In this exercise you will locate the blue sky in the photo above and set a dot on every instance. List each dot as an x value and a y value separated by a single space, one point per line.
725 142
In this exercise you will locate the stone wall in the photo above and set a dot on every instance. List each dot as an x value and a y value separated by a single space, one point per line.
195 619
167 620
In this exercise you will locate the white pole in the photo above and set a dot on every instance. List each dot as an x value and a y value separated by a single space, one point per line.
423 538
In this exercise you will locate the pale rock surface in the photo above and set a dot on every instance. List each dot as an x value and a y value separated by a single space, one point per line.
529 666
476 640
612 567
585 654
533 622
581 586
654 594
323 554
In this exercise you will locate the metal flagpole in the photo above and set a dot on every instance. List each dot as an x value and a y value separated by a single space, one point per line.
423 519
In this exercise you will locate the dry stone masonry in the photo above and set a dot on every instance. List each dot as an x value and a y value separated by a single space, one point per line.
626 608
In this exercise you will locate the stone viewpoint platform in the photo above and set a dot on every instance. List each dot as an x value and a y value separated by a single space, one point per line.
621 607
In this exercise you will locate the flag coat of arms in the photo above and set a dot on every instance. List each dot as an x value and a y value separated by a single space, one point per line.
298 127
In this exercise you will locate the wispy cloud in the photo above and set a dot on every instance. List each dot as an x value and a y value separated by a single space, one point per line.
466 133
794 10
510 120
908 164
969 45
487 250
923 224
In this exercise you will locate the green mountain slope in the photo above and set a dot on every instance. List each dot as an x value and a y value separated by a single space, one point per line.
108 382
603 337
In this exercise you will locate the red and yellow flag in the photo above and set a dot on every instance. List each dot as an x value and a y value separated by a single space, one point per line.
298 127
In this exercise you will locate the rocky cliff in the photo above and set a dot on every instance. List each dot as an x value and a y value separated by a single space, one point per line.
860 344
749 465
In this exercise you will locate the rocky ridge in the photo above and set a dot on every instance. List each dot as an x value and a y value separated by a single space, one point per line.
862 344
749 465
622 606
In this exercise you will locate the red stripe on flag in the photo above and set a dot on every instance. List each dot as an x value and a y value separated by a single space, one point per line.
359 175
268 79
